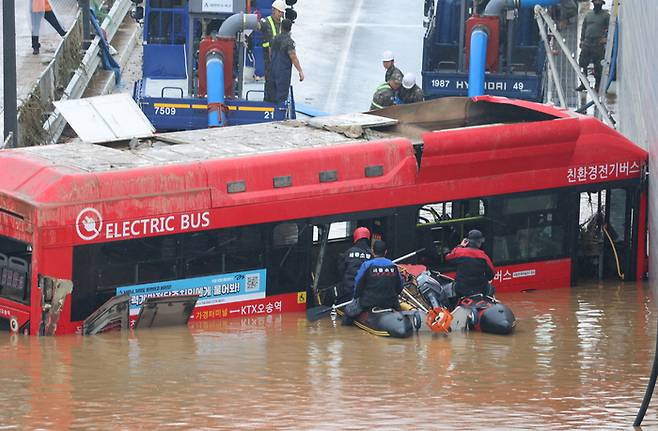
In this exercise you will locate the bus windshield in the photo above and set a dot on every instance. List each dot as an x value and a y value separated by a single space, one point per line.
15 262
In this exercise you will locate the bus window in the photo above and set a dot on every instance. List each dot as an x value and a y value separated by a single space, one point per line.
285 234
15 261
338 231
617 225
441 226
605 243
99 269
288 258
529 228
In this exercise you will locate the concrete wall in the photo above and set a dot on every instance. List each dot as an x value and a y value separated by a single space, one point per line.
638 95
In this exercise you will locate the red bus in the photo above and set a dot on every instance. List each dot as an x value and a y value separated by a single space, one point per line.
234 214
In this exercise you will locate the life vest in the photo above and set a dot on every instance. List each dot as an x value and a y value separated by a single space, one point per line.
41 6
274 32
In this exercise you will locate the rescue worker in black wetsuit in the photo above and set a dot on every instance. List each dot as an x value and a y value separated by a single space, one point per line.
474 268
350 262
377 284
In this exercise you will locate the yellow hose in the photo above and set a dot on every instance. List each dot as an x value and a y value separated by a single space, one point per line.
614 250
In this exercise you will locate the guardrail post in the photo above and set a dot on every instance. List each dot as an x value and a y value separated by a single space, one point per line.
9 68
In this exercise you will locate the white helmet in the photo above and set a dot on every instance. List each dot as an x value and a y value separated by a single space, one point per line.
409 80
387 56
279 5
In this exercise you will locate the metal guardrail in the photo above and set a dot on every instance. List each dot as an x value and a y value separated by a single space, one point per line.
44 89
55 123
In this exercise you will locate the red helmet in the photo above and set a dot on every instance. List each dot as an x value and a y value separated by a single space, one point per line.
360 233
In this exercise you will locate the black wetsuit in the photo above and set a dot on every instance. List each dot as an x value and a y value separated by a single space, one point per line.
349 265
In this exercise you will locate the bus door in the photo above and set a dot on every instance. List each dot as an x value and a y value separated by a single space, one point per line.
608 233
337 234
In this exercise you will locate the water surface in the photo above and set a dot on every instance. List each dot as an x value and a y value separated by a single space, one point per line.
580 359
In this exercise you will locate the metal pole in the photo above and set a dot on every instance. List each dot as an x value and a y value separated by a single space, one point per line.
462 24
86 23
241 57
510 41
190 55
551 64
324 238
9 69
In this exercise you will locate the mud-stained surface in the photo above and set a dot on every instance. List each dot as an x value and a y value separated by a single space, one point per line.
579 359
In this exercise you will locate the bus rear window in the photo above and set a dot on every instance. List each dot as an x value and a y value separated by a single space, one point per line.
15 260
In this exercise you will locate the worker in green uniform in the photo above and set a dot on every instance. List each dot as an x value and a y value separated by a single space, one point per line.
392 72
385 94
270 27
410 92
593 38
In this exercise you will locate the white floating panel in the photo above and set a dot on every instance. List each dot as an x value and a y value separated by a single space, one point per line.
115 117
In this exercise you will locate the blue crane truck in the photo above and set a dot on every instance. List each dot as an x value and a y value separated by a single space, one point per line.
193 62
499 38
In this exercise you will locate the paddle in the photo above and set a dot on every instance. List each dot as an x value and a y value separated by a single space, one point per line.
316 313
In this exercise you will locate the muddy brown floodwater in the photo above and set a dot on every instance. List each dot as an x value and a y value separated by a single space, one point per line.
580 359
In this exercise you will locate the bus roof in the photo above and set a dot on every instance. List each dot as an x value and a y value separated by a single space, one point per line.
491 134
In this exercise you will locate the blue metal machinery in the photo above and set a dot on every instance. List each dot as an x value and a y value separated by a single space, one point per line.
507 44
193 63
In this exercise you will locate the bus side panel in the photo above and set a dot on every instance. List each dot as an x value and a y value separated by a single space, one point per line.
10 310
549 274
287 302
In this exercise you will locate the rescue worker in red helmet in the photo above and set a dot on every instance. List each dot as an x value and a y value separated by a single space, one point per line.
350 261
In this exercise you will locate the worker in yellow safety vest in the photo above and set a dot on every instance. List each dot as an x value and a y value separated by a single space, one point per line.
42 9
270 27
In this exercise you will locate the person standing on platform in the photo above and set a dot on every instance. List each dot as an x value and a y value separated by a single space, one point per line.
42 9
270 28
284 57
593 38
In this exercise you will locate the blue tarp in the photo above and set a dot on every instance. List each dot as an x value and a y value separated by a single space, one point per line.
108 62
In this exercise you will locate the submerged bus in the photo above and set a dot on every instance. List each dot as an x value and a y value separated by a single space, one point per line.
235 215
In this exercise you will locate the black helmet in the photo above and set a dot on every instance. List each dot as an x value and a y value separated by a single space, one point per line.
475 235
